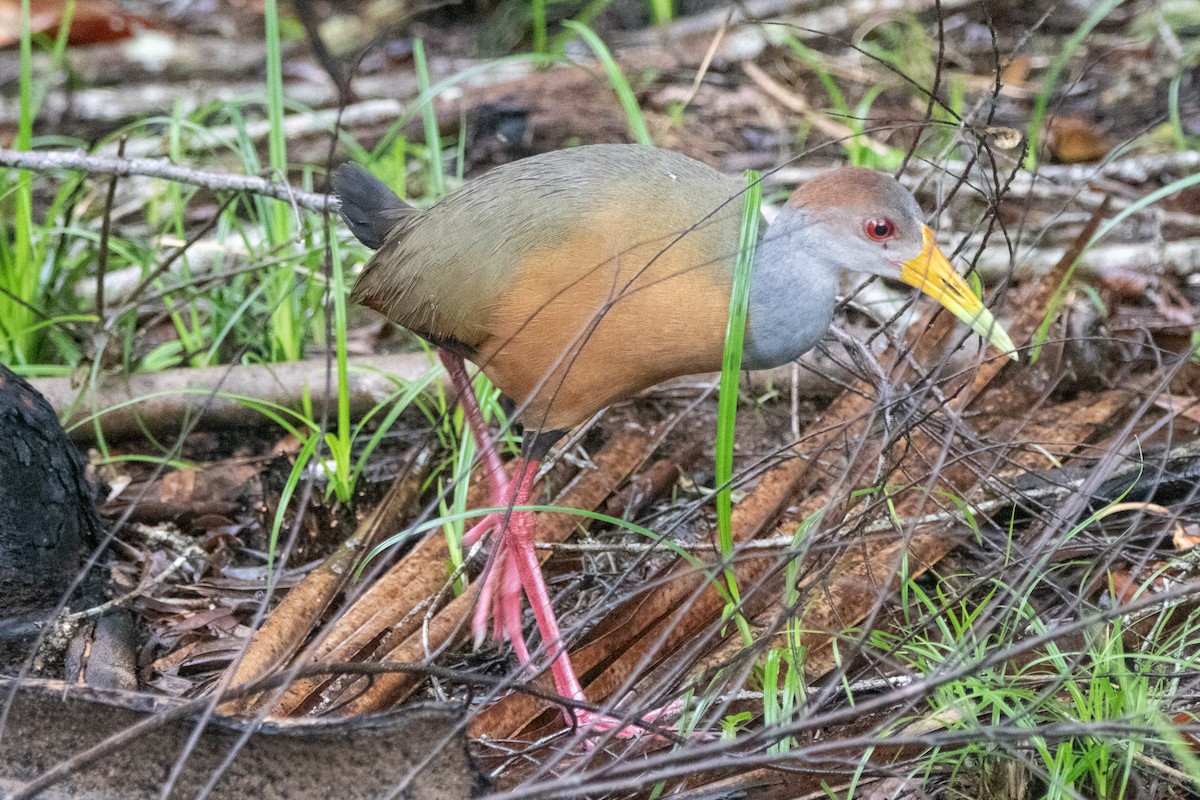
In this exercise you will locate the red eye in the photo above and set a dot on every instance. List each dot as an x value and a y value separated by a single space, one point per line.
880 229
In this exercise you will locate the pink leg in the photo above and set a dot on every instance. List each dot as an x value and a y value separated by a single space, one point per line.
484 442
505 619
516 547
513 567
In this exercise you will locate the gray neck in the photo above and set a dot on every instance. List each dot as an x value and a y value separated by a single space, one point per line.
793 289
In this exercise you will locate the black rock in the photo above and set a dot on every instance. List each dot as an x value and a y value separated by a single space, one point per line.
47 506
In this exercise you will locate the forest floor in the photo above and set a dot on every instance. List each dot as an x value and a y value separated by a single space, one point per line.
956 574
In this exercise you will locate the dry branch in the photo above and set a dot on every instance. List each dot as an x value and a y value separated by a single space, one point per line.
819 14
1178 258
1057 180
383 615
163 403
294 619
48 160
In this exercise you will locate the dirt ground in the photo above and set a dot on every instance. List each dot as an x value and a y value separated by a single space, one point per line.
1055 495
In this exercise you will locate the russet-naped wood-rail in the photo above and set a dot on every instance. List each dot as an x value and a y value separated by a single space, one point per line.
581 277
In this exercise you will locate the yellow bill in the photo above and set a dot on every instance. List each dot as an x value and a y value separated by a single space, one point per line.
932 274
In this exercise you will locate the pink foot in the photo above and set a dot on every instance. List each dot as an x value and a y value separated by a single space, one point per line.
591 723
499 604
513 573
513 570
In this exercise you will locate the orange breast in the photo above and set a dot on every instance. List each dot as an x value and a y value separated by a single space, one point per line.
613 310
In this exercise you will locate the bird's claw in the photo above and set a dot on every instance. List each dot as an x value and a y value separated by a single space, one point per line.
590 723
499 611
500 603
481 529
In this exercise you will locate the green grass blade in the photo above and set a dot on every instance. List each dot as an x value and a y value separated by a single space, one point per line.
1060 293
285 498
625 95
344 483
433 140
18 274
537 10
661 11
1057 65
731 365
285 327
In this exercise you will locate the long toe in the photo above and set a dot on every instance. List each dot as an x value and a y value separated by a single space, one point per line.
499 605
482 617
593 724
481 529
508 605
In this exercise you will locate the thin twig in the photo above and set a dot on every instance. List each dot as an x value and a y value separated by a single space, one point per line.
45 161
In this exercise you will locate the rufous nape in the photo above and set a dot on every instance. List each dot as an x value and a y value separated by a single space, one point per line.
581 277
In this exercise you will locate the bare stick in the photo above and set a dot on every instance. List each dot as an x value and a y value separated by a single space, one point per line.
45 161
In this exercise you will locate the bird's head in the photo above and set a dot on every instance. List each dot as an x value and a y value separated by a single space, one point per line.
873 224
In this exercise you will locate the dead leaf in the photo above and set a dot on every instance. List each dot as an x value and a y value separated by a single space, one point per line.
1186 536
1179 406
177 487
93 22
1016 72
1074 140
1127 587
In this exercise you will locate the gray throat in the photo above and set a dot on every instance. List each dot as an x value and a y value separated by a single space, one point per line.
793 289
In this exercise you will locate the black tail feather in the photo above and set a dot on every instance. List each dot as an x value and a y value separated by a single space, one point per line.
370 208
